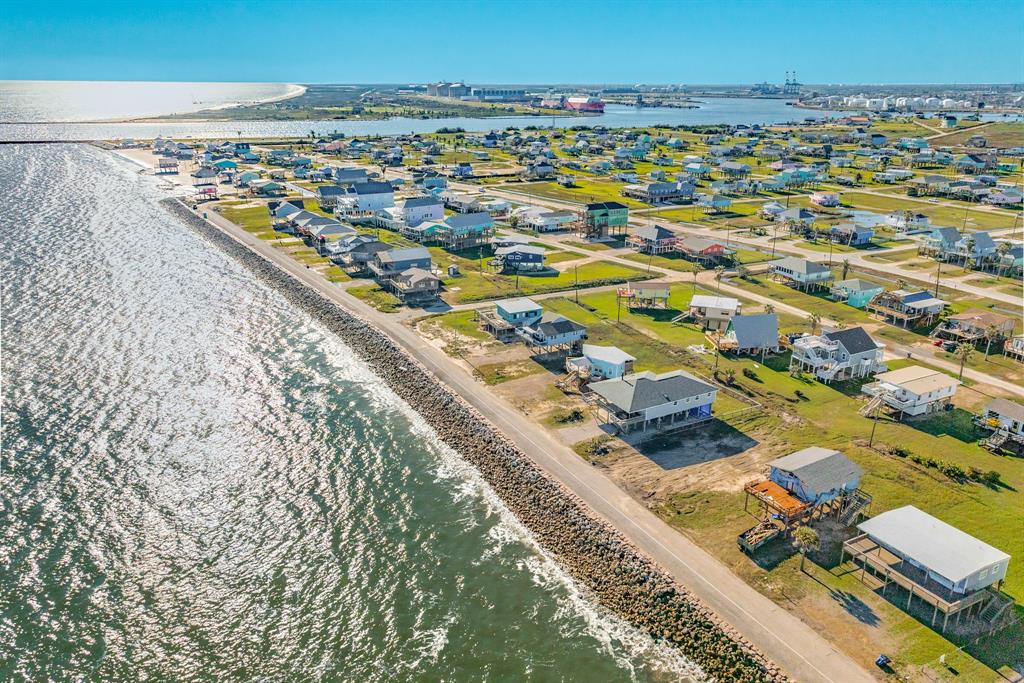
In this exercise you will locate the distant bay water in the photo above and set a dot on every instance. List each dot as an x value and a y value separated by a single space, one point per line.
34 110
200 483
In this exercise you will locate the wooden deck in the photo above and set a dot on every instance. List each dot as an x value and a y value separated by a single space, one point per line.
888 568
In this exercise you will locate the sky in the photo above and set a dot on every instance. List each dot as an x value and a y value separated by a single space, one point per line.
516 42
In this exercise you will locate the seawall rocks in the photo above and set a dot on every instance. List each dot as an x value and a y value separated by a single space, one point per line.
616 573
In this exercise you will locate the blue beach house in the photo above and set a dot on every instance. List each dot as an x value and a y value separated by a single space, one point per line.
855 292
519 312
816 475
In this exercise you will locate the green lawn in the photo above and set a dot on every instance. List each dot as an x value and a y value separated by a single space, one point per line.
587 190
482 284
977 219
999 134
671 260
376 297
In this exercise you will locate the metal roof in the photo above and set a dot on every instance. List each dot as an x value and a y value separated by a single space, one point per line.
800 265
608 354
724 302
822 469
929 541
643 390
1004 407
756 331
521 305
409 254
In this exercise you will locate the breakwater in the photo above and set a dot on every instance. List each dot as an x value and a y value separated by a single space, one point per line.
615 572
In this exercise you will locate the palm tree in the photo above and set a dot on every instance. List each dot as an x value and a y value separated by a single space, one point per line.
901 284
806 539
769 308
964 351
969 246
814 319
1003 249
719 274
846 268
991 332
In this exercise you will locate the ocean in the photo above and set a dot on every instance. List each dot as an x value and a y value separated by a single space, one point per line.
200 483
64 101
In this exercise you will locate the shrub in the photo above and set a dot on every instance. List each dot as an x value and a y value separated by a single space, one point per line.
749 374
952 470
570 416
900 451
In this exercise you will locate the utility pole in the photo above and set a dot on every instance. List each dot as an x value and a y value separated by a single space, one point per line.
938 272
874 423
576 282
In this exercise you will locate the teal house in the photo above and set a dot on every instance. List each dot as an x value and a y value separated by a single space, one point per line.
856 293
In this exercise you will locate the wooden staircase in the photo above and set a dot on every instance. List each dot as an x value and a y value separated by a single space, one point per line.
856 504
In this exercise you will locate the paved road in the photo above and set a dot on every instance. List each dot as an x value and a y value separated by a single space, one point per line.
791 643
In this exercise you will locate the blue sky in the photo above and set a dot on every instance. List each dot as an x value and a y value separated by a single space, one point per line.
859 41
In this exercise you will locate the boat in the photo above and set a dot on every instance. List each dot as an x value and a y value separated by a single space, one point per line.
589 105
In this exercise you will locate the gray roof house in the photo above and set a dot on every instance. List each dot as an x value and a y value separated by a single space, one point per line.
752 334
642 399
816 475
801 272
388 264
553 332
839 355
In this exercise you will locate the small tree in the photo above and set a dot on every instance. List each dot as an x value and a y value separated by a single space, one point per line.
964 351
814 319
769 308
806 539
901 284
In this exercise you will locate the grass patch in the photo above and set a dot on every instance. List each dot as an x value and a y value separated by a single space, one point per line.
375 296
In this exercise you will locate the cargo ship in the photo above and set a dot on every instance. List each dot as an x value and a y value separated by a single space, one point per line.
587 105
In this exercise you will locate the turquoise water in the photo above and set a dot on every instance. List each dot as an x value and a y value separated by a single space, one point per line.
199 483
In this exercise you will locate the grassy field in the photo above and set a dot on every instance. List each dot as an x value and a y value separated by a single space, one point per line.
977 219
740 215
999 134
587 190
376 297
482 285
